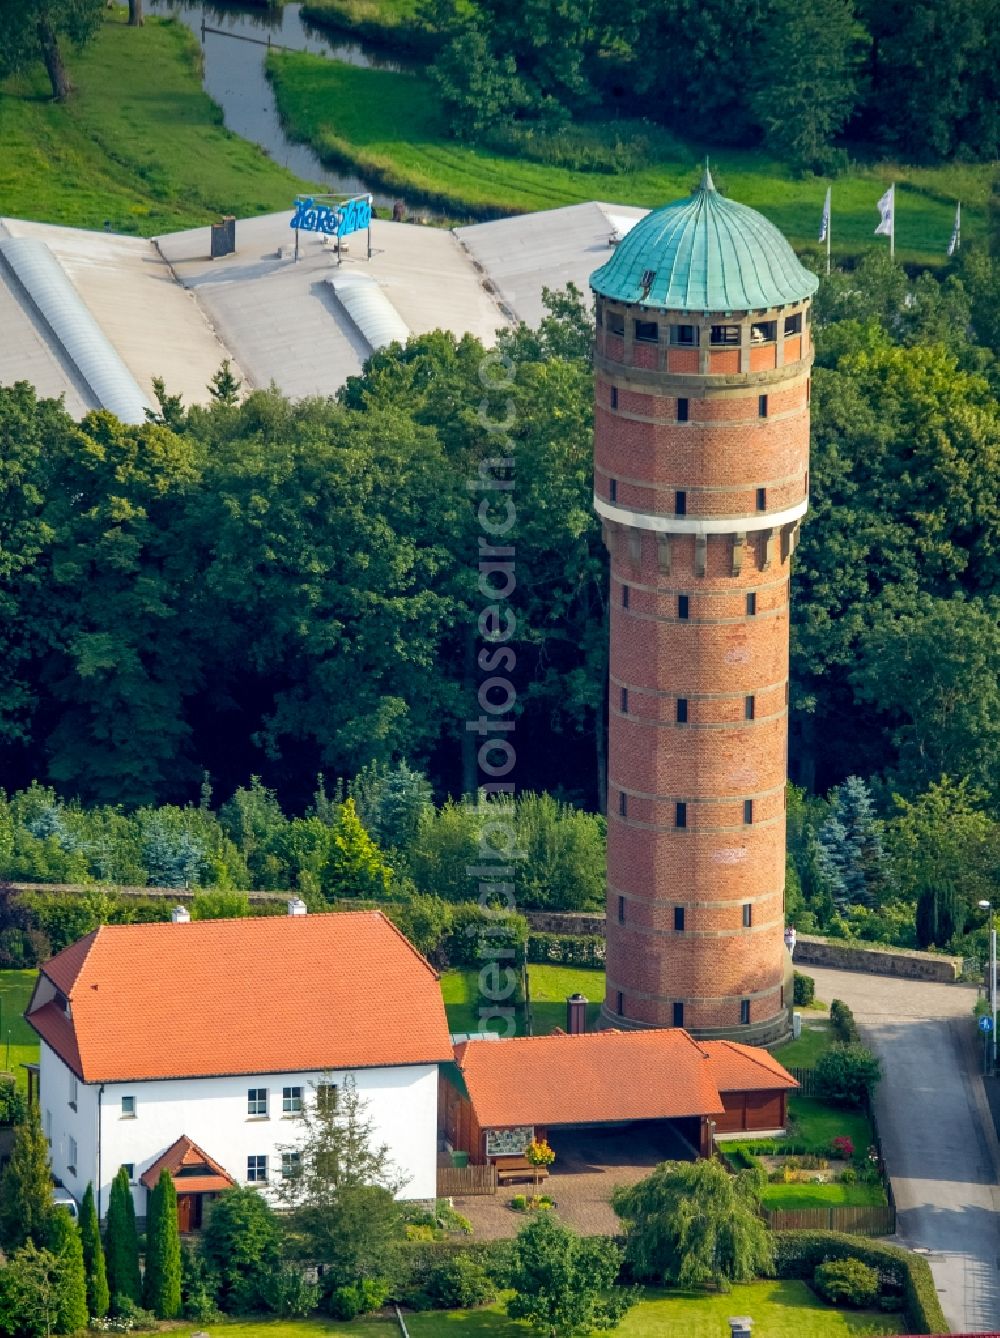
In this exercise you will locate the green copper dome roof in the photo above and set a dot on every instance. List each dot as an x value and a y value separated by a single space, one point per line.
705 253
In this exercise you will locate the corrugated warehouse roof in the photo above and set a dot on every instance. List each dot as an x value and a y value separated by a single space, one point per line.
282 994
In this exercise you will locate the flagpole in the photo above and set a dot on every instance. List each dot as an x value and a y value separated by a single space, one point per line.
829 227
958 224
892 225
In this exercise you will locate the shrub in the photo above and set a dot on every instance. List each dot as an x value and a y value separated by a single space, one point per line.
842 1021
846 1074
847 1282
803 990
842 1147
567 949
459 1283
799 1253
849 1176
292 1295
358 1298
519 1202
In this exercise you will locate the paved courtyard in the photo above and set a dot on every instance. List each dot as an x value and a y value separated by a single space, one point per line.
939 1142
588 1165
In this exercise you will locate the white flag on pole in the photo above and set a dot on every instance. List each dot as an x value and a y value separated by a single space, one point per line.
956 232
886 207
824 226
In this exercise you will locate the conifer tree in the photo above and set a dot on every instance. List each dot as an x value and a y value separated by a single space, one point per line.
162 1283
121 1243
355 866
98 1297
65 1243
26 1189
849 847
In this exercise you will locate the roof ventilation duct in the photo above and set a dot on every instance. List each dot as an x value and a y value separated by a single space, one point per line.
73 327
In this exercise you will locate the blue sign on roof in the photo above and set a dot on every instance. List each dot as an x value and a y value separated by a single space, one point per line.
336 220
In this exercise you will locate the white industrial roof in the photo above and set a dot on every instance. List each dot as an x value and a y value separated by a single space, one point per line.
285 324
529 252
169 310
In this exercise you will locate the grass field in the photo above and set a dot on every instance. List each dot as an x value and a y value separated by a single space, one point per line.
817 1125
831 1195
551 986
779 1309
390 127
15 991
138 144
803 1053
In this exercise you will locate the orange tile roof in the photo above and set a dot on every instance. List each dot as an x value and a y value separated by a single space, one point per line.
181 1159
746 1068
599 1077
279 994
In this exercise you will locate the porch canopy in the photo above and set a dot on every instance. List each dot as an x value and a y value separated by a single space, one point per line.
194 1171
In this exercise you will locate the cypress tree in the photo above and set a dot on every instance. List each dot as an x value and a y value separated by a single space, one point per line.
71 1301
121 1243
163 1251
26 1190
93 1257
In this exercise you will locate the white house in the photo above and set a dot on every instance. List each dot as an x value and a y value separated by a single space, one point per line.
192 1045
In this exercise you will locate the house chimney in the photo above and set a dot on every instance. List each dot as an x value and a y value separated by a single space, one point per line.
180 915
296 906
576 1014
740 1326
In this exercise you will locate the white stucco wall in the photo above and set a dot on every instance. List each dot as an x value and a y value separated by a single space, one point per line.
401 1102
61 1123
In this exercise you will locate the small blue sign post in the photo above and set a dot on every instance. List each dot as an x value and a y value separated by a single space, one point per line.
986 1026
334 216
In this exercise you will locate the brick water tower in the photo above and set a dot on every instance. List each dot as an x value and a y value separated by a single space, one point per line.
701 480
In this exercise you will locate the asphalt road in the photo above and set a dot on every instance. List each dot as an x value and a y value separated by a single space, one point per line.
938 1138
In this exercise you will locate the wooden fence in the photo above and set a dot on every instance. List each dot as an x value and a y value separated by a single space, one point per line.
461 1181
806 1079
866 1221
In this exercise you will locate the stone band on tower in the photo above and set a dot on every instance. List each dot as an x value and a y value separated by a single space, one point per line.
701 445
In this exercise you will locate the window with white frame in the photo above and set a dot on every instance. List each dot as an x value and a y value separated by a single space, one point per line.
128 1107
257 1101
74 1088
257 1170
291 1100
73 1151
291 1165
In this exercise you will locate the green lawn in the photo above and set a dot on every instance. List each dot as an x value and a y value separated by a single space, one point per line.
779 1309
15 991
817 1125
139 144
823 1196
390 127
551 986
803 1053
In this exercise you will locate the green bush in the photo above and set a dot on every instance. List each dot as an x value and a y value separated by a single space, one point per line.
458 1283
357 1298
799 1253
842 1021
847 1282
292 1295
845 1075
476 935
567 949
803 990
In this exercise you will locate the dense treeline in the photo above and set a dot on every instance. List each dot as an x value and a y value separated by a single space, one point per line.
917 80
283 589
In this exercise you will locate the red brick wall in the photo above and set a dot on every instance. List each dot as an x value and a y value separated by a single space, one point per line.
714 659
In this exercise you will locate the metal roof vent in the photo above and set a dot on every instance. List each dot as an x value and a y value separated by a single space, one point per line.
297 906
73 327
371 311
180 915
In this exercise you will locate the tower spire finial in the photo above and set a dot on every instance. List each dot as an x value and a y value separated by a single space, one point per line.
706 178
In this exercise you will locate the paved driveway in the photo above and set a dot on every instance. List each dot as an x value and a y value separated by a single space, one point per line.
937 1134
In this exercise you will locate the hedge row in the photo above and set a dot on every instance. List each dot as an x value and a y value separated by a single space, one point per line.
567 949
799 1253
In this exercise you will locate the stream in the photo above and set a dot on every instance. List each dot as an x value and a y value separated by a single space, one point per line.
234 47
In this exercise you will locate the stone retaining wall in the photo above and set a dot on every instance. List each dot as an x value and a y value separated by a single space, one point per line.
810 950
565 922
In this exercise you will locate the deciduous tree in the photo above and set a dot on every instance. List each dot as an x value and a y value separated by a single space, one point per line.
30 31
565 1284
